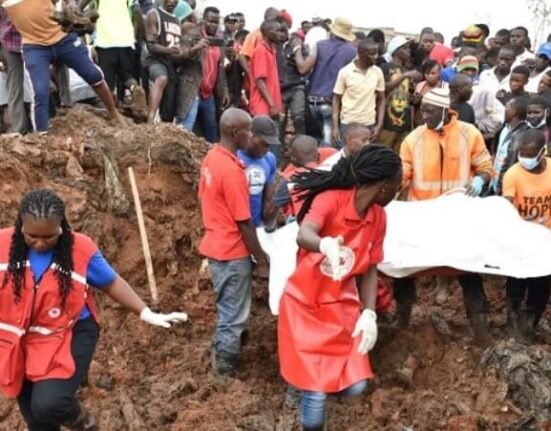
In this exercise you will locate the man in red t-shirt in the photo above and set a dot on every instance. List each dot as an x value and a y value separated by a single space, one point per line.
230 237
265 91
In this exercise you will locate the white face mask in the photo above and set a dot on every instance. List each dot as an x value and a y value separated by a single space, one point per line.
533 162
542 122
440 125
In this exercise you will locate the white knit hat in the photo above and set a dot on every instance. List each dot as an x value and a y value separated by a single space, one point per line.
438 97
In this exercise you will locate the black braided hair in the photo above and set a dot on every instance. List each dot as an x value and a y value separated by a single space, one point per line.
374 162
41 204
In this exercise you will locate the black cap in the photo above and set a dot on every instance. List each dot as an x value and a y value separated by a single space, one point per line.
266 128
231 17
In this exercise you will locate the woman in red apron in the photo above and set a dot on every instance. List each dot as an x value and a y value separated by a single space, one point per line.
48 318
323 334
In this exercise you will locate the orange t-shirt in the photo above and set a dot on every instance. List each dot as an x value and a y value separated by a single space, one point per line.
531 192
250 43
32 19
224 198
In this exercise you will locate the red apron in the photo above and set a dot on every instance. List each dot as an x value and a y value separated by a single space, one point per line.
36 332
317 315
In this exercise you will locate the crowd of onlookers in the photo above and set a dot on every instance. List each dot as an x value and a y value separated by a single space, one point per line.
186 67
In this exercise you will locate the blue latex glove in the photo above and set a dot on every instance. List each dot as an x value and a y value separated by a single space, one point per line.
474 188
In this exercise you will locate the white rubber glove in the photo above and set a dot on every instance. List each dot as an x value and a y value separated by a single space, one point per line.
163 320
367 326
331 248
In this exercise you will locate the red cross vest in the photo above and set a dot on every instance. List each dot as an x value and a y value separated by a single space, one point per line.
36 332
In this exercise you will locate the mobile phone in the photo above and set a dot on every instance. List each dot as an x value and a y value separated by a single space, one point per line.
216 41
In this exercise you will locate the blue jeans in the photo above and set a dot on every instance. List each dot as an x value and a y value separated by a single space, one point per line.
188 122
323 114
232 284
313 404
69 51
207 118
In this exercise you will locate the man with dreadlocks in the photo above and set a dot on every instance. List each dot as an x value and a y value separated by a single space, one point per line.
48 319
324 336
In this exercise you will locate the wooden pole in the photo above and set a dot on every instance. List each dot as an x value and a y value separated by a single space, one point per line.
143 236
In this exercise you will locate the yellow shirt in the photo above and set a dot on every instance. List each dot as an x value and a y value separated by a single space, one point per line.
531 193
358 90
32 19
114 28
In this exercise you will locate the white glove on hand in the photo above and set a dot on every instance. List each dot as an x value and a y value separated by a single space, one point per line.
331 247
159 319
367 326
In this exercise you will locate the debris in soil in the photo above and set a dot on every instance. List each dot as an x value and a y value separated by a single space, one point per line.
155 379
527 371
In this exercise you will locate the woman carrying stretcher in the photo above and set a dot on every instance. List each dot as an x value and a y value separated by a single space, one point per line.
327 323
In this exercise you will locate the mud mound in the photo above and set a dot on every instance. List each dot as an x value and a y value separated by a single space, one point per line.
144 378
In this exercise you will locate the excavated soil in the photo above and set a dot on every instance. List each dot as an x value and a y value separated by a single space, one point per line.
428 377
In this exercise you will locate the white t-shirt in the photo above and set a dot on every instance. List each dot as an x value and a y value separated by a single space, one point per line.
532 86
331 161
315 35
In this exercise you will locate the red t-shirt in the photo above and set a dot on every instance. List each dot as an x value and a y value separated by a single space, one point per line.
224 198
264 65
441 54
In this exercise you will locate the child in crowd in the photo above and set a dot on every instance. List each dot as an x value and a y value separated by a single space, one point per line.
528 186
519 79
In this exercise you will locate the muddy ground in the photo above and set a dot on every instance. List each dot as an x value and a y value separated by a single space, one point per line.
144 378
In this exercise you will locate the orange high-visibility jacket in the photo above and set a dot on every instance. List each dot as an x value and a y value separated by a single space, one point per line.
435 162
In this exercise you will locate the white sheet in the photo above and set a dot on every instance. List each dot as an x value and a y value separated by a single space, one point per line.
485 236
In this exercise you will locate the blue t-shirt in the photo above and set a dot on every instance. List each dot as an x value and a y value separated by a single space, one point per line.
260 172
99 273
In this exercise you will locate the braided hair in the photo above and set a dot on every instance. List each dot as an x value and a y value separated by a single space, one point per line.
41 204
374 162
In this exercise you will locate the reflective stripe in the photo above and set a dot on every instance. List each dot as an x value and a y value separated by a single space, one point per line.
41 330
13 329
4 266
77 277
418 183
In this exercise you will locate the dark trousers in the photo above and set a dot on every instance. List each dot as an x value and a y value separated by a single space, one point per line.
294 100
474 297
536 291
117 63
16 102
48 404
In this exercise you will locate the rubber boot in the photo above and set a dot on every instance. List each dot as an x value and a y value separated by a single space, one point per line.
513 308
223 363
481 329
85 422
527 325
402 315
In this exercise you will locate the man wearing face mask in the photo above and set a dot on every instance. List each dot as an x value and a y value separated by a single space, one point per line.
438 157
536 118
528 186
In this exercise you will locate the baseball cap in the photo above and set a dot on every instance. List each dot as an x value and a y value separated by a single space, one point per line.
230 18
395 44
545 50
266 128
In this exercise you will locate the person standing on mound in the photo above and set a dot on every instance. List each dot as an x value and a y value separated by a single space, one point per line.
327 323
48 318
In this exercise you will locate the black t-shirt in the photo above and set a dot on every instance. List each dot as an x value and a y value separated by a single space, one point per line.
465 112
398 110
289 75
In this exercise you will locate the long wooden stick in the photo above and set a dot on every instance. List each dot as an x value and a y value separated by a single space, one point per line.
143 236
